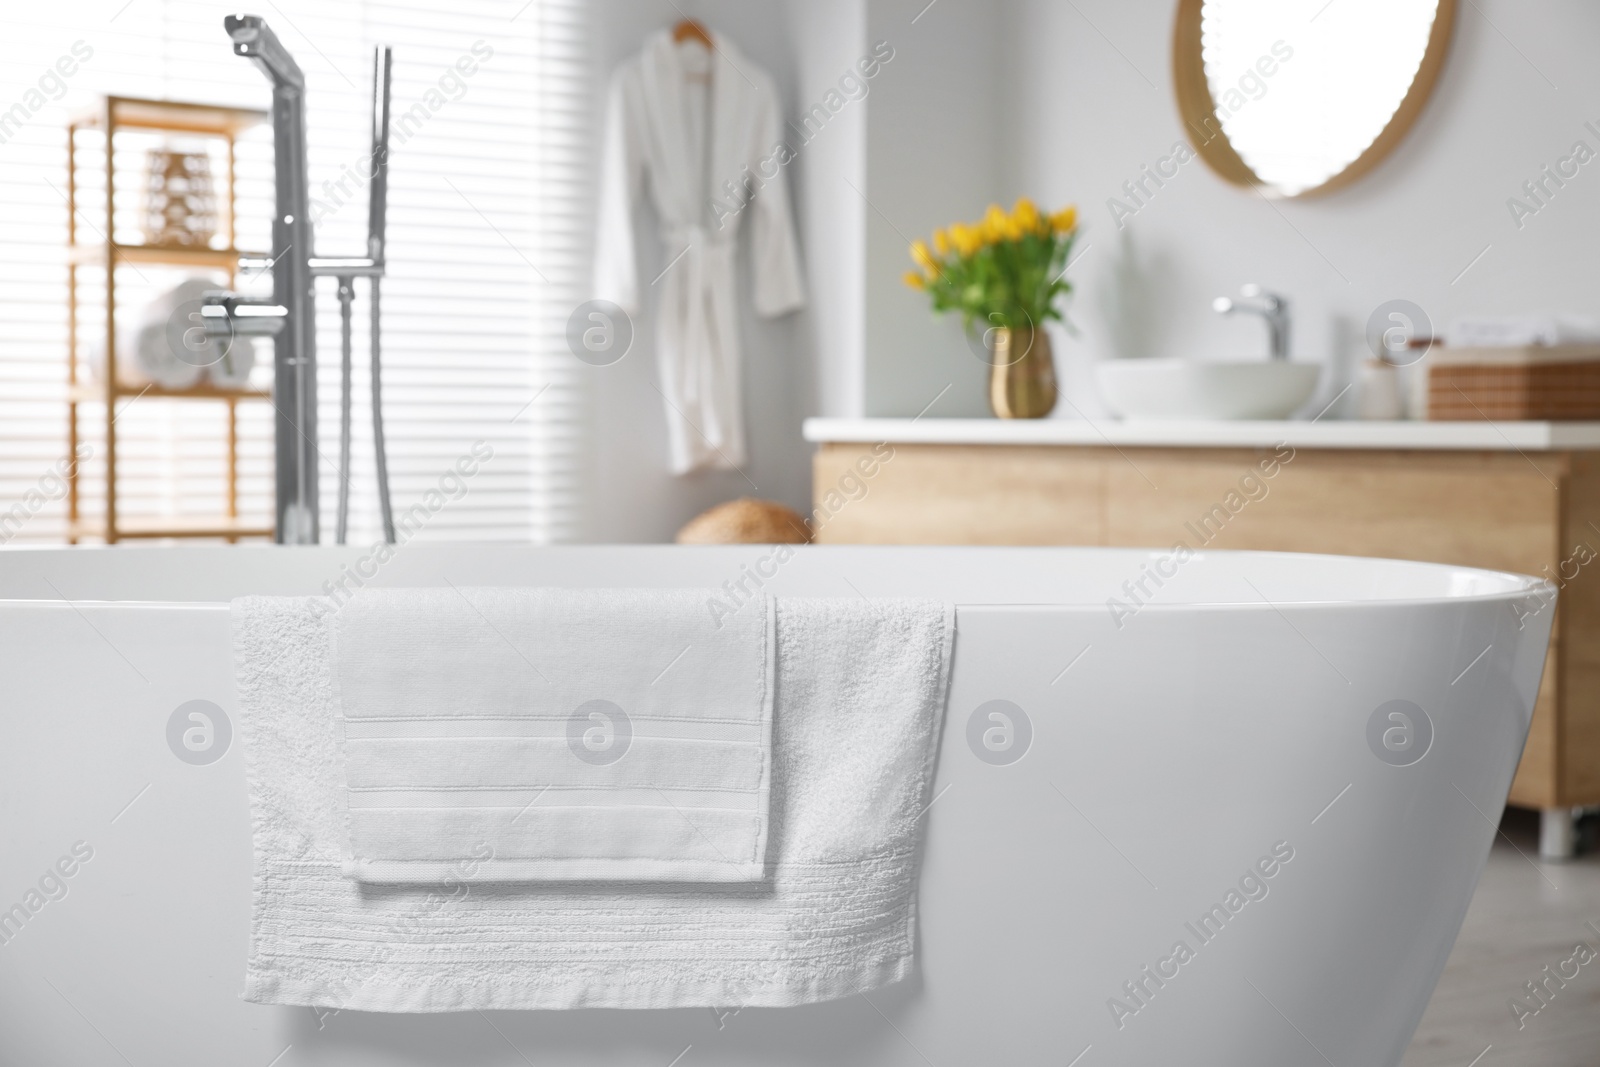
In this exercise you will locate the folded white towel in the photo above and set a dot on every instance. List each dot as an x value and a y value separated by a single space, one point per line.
1520 331
604 734
860 693
169 346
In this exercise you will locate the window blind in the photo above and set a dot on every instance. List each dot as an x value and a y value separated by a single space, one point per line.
486 258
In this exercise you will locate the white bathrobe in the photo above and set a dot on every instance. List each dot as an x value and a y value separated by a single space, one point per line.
702 131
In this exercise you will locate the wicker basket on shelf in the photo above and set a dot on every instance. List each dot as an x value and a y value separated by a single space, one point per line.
1534 382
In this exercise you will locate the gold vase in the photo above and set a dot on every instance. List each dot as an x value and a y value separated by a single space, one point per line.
1022 373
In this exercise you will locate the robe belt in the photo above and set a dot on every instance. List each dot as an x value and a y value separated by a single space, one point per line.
701 253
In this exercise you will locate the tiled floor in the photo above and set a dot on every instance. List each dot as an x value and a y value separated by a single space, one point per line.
1526 915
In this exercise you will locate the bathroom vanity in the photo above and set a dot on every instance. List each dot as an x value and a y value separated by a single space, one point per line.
1514 496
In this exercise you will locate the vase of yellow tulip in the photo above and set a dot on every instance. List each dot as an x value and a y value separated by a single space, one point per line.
1004 274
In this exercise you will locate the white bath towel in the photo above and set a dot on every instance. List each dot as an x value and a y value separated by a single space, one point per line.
860 693
598 734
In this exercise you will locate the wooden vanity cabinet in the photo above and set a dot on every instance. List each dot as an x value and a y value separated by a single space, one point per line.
1533 512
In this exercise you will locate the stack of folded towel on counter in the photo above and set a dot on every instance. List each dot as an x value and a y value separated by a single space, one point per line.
522 798
1542 329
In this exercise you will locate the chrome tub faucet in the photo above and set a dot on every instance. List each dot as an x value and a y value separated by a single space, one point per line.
289 318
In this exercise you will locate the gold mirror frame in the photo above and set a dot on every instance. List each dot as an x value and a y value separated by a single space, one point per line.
1199 111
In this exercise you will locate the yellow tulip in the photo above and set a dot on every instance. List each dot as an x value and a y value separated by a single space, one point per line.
922 257
941 243
1026 214
995 218
1065 220
966 239
915 280
986 226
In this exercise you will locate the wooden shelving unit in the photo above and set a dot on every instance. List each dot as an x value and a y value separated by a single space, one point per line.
114 114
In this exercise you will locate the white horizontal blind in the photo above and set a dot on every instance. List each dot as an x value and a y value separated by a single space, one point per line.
485 259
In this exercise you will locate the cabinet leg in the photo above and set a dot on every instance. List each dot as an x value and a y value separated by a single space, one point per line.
1557 834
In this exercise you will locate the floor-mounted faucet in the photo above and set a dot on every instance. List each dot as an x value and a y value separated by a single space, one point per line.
290 317
1270 306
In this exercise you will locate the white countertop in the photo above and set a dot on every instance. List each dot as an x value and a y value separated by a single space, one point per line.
1328 433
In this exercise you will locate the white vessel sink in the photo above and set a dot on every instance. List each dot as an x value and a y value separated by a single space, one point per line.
1188 389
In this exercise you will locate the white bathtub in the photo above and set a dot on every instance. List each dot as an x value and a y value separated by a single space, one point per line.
1223 726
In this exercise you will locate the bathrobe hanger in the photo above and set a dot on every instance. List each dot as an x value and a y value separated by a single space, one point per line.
692 30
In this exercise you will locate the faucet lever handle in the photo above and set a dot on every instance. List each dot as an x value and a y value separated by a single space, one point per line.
1252 291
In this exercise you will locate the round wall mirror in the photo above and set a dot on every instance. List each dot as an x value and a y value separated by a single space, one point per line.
1304 96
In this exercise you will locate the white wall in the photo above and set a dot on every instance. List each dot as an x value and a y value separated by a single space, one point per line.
830 39
936 150
1087 99
630 494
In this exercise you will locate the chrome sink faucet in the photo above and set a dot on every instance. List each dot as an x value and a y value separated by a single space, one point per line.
1270 306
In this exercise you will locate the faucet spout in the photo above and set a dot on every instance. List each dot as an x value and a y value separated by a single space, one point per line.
255 41
1272 307
225 314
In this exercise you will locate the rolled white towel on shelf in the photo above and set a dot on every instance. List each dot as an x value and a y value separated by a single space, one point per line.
139 360
169 345
128 371
153 360
166 346
1522 331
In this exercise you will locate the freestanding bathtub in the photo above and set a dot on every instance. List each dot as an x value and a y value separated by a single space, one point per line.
1290 766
